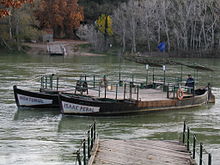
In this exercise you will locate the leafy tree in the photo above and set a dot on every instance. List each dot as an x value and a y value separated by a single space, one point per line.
104 24
6 4
63 16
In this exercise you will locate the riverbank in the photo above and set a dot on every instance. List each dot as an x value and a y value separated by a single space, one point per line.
73 48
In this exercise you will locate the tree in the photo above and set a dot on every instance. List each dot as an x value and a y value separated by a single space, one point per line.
17 27
7 4
63 16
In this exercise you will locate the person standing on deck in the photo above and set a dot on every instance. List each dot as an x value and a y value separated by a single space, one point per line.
190 82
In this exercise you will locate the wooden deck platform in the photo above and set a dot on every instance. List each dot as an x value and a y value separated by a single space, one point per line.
140 152
144 94
56 49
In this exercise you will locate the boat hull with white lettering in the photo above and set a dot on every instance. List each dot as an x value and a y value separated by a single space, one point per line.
25 98
87 105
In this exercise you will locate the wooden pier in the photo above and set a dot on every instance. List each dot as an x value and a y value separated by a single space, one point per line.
56 49
188 151
139 152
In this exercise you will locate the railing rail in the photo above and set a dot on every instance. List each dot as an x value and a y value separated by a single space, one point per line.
194 146
83 154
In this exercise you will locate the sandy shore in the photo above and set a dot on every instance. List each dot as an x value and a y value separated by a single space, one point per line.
72 48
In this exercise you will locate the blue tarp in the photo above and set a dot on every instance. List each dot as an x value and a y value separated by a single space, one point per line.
162 46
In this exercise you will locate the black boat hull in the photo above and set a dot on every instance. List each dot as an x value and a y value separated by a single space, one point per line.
25 98
86 105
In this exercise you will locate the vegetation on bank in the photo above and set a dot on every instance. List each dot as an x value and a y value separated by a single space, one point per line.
188 28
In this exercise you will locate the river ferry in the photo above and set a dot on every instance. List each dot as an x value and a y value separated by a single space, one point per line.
46 97
131 97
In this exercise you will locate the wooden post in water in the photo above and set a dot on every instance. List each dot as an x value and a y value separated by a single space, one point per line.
194 146
188 136
184 130
84 151
124 91
94 81
99 89
210 159
130 91
116 92
88 147
200 155
153 75
57 83
105 90
78 158
137 92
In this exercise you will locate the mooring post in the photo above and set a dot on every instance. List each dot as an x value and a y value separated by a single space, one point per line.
210 159
94 81
57 83
92 140
78 158
184 130
130 90
200 155
88 147
84 151
153 75
105 90
116 92
124 91
194 146
188 136
94 131
137 92
99 89
168 94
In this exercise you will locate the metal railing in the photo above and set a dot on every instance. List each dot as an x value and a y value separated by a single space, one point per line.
195 147
83 154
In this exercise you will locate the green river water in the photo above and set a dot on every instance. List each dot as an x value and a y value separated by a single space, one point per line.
45 137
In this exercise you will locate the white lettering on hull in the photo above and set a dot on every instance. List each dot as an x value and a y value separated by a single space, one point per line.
77 108
27 100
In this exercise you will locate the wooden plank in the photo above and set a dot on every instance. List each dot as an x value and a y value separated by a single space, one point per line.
139 152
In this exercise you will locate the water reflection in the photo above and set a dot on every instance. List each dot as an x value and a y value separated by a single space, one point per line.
36 113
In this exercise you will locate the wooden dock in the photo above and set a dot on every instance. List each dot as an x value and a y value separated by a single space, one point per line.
56 49
140 152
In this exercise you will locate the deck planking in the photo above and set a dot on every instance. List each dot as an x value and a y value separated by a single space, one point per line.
144 94
141 152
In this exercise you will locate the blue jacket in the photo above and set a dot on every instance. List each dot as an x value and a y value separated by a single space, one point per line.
190 82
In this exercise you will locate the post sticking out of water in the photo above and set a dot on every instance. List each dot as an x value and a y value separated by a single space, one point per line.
200 155
99 89
94 81
57 83
184 130
131 90
105 90
116 94
153 75
137 92
124 91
